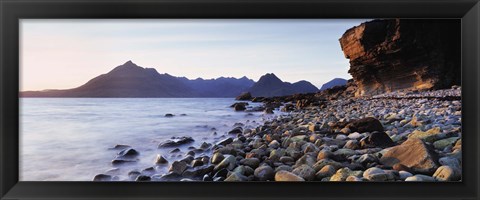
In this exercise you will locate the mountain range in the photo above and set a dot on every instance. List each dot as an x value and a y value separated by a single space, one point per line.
334 82
131 80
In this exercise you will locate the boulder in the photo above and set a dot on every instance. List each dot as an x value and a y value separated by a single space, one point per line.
413 153
368 124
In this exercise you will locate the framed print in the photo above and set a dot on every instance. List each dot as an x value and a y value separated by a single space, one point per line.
239 99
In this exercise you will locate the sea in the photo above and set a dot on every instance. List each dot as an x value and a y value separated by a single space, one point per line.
70 139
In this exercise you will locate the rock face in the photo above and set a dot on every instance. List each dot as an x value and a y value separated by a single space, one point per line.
394 54
413 153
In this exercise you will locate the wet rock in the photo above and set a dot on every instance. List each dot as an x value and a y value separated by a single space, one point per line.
225 141
236 130
205 145
102 177
239 106
404 174
148 171
246 96
120 147
160 160
142 178
377 139
368 124
178 167
176 150
305 171
375 174
128 153
121 161
228 162
217 158
287 176
414 154
176 142
199 171
264 173
133 174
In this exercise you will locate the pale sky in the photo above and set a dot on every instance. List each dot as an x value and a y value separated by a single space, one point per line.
62 54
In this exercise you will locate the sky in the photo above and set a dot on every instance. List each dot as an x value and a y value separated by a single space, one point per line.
63 54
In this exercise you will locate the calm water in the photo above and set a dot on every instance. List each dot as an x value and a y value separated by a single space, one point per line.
68 139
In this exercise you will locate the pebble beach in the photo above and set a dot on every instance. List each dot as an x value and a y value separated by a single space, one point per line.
397 136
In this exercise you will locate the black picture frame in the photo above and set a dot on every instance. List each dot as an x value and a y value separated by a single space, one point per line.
13 10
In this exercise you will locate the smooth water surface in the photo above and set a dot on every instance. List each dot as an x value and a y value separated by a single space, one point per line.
68 139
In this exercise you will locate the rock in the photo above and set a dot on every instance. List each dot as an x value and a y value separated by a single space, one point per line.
352 144
445 173
286 159
274 144
251 162
176 142
326 171
283 175
133 174
400 167
225 141
160 160
205 145
375 174
142 178
239 106
414 154
353 178
246 96
196 163
264 173
441 144
431 135
368 124
404 174
268 111
199 171
102 177
324 154
343 173
127 154
169 115
236 177
148 171
120 147
171 176
420 178
236 130
177 167
228 162
393 54
367 159
305 171
377 139
176 150
322 163
121 161
284 167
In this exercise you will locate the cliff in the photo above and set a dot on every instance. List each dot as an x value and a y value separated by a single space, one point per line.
397 54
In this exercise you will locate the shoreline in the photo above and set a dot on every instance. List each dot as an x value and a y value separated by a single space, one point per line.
334 137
